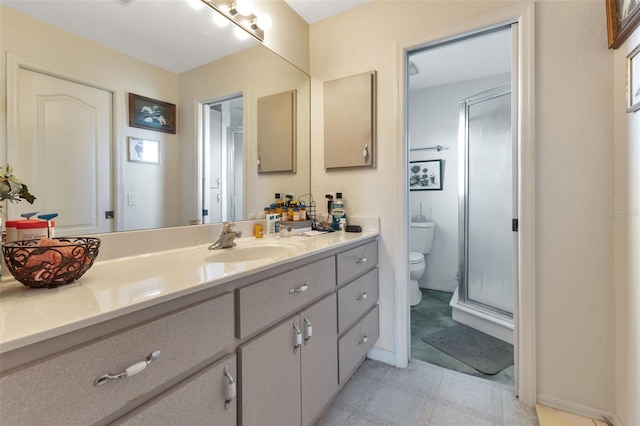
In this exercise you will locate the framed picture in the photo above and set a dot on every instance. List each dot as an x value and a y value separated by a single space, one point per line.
633 80
150 114
623 17
425 175
144 151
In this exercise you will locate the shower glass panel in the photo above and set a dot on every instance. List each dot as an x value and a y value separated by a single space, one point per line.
486 201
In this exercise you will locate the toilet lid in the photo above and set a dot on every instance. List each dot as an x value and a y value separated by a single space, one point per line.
415 257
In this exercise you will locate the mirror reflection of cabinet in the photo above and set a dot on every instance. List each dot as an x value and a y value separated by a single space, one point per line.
350 121
277 132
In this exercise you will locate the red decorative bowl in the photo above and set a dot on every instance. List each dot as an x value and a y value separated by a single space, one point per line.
49 263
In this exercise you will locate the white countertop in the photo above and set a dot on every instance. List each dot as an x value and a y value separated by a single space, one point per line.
116 287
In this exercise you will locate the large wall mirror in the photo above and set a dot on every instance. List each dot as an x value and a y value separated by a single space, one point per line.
68 69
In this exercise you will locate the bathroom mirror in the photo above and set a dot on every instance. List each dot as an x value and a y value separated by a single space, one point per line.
164 51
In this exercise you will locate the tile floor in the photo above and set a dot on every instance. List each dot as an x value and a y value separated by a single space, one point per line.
434 314
423 394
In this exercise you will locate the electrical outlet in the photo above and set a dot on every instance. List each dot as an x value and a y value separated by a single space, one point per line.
132 198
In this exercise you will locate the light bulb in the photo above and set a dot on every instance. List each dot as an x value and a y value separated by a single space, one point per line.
264 22
240 33
196 4
243 7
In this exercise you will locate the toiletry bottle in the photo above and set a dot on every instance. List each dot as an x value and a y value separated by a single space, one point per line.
303 211
337 211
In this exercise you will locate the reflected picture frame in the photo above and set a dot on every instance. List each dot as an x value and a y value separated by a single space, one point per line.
144 150
623 17
425 175
633 80
151 114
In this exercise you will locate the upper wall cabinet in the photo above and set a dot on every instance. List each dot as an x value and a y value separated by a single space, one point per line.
277 132
350 121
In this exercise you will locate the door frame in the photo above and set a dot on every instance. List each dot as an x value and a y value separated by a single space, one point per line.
524 306
15 62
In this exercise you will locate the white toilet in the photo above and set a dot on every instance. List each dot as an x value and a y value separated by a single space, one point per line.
420 243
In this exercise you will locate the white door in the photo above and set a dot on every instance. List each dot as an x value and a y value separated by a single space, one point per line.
63 152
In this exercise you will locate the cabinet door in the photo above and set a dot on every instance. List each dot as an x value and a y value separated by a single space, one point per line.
319 357
200 400
270 376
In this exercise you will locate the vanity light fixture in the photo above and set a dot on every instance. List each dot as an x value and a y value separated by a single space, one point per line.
240 12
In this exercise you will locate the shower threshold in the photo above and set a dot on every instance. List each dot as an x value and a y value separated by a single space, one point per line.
494 325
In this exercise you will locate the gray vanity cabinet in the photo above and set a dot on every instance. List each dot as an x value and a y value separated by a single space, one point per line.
207 398
289 373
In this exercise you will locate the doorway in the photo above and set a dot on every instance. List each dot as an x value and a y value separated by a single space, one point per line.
222 196
459 124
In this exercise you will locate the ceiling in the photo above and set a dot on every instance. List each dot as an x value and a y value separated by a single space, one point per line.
174 36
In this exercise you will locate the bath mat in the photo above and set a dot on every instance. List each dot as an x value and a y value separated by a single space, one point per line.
478 350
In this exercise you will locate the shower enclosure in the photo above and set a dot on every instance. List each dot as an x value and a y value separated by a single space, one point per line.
487 208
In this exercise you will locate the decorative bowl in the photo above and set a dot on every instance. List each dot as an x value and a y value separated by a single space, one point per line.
48 263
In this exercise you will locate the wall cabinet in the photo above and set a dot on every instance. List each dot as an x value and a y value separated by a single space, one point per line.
289 373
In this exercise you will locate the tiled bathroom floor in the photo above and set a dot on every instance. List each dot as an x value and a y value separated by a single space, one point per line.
423 394
434 314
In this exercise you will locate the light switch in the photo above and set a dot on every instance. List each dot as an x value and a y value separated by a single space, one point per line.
132 198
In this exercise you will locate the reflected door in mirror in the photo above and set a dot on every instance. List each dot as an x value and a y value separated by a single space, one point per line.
64 154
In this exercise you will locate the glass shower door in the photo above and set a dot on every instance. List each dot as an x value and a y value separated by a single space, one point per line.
486 202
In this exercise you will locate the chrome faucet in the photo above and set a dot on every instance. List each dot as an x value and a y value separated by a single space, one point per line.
226 237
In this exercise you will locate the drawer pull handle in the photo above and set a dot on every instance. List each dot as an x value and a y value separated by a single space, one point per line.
309 333
304 287
363 340
231 388
131 371
362 296
298 338
361 260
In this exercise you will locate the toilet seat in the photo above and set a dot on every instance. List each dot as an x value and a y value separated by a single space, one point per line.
415 257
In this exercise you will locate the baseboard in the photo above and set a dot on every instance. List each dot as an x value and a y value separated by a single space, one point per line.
579 409
440 287
382 355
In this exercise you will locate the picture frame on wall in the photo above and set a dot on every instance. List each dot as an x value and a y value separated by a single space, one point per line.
623 17
633 80
144 151
151 114
425 175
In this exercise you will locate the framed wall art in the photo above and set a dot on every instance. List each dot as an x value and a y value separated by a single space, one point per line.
425 175
147 113
633 80
623 17
144 151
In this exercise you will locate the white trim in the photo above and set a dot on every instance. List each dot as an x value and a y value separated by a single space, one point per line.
381 355
579 409
525 335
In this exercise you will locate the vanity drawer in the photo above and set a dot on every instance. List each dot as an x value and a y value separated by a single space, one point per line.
353 262
263 303
62 388
356 298
354 345
199 400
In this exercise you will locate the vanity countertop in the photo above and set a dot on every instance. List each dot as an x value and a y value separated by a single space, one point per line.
116 287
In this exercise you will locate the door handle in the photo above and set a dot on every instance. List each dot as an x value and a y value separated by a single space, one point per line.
365 154
230 392
309 331
298 338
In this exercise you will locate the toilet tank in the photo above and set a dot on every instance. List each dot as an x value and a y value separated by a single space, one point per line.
421 236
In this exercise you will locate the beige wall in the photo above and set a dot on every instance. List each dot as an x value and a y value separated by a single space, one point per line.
626 217
65 53
574 168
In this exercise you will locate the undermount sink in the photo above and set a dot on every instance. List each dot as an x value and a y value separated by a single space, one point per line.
247 251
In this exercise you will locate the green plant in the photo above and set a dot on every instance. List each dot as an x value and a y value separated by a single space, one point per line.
12 188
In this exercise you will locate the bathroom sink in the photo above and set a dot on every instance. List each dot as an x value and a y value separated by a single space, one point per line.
247 251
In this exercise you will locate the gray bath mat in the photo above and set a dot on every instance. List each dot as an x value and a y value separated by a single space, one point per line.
479 350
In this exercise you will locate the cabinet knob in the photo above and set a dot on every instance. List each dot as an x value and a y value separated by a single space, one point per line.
131 371
363 340
362 296
230 392
304 287
361 260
